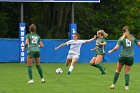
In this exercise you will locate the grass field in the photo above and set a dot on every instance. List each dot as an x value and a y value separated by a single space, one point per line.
84 79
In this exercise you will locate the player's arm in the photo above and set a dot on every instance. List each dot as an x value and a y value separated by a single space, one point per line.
26 44
114 49
91 39
64 44
138 43
93 49
40 44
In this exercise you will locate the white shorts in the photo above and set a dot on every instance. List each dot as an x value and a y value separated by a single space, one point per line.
71 56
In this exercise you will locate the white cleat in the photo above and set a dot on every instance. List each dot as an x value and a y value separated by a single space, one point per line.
30 82
112 86
42 80
126 87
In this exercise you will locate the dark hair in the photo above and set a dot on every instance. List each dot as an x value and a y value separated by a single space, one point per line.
32 28
77 35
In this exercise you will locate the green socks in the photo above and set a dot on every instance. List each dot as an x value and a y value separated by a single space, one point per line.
39 70
94 65
127 79
116 77
100 68
30 72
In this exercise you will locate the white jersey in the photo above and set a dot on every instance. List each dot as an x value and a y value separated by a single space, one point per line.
75 46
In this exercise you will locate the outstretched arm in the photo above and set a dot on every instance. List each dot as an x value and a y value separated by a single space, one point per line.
114 49
91 39
93 49
64 44
138 43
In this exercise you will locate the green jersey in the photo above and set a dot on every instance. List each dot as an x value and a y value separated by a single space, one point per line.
100 49
34 39
127 47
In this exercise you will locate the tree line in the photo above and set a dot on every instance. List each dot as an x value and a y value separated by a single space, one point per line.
53 19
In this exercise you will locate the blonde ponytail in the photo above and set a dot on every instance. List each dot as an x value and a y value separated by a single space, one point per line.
103 33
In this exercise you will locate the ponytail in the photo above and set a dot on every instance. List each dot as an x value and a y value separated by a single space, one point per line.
126 34
102 32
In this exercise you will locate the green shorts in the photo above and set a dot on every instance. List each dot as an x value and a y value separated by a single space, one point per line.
126 60
99 54
34 54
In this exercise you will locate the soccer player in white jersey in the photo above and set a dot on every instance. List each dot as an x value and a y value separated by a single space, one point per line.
74 51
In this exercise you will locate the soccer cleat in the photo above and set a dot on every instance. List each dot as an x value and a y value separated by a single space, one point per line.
126 87
30 82
112 86
104 71
68 72
103 68
42 80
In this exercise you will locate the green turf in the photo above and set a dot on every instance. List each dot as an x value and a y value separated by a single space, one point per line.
84 79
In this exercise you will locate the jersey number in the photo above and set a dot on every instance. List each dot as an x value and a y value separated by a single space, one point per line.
128 43
34 39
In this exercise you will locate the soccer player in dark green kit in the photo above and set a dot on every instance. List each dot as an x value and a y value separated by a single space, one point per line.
33 41
100 51
126 56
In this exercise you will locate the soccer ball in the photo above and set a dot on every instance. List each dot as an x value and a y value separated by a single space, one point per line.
59 71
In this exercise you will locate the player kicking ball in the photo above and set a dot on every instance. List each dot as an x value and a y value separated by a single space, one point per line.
74 51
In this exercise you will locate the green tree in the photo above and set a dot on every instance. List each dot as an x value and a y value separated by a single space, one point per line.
53 19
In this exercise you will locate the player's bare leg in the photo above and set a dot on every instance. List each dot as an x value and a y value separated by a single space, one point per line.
68 61
92 61
74 60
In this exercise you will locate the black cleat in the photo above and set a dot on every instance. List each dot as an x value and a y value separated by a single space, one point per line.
104 71
68 72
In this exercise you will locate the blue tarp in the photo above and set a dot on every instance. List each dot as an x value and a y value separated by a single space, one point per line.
9 51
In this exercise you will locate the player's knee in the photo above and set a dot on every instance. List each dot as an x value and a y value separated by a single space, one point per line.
29 64
126 73
37 63
118 71
97 62
91 63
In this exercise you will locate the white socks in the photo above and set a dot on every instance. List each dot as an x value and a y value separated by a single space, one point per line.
71 68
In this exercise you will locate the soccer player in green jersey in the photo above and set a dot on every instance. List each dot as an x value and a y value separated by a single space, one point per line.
126 56
33 41
100 51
